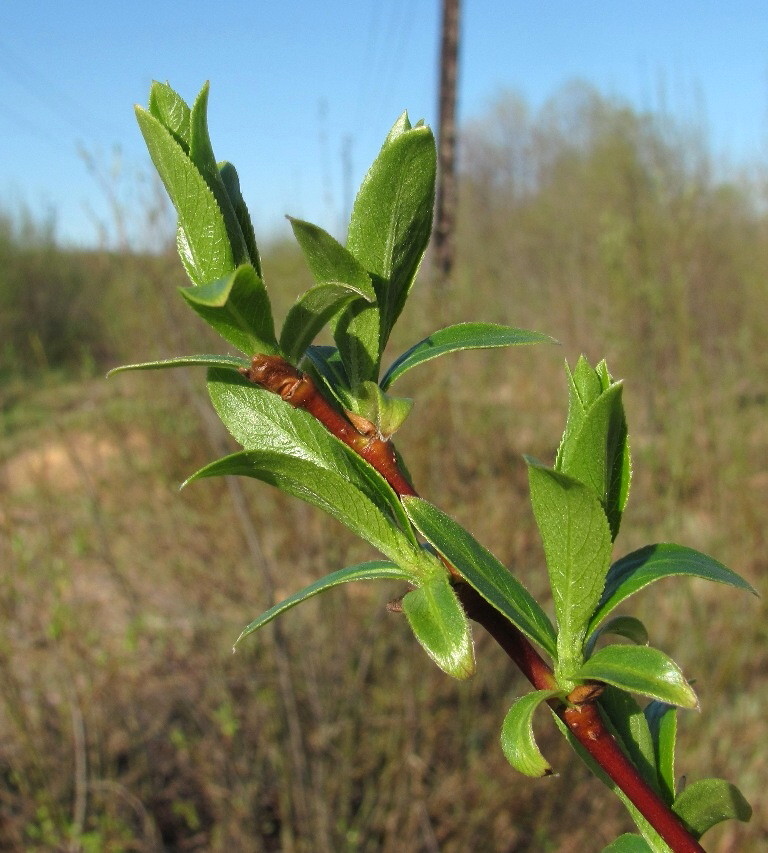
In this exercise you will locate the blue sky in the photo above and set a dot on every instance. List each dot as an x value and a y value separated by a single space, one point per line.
295 85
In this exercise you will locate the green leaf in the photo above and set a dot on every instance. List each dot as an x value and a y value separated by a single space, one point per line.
201 154
392 217
594 448
653 562
237 307
231 183
227 361
707 802
482 571
460 337
324 488
623 626
260 420
628 843
171 111
517 740
357 334
373 570
439 623
385 412
329 262
203 241
630 725
662 724
640 669
313 309
577 547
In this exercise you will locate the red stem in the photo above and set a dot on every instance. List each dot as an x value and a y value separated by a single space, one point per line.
583 720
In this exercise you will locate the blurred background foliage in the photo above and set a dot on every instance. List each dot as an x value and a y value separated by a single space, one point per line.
125 721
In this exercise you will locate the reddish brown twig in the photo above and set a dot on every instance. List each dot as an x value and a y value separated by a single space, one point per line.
583 720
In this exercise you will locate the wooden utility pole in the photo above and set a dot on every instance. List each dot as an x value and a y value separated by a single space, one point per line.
445 213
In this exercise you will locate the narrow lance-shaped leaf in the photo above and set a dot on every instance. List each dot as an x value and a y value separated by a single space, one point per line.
623 626
340 279
324 488
707 802
203 240
482 571
232 186
225 361
460 337
517 739
640 669
392 217
260 420
440 624
238 308
662 724
201 154
577 547
654 562
630 725
171 111
373 570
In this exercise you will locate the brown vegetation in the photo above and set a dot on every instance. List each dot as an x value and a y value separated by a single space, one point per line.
125 721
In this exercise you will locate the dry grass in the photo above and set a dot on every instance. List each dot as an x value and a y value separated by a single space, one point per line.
126 724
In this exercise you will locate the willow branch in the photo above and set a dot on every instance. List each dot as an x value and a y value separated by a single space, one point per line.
582 714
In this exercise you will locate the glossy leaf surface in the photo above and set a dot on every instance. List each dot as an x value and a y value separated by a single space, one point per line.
707 802
577 547
439 623
662 724
482 571
392 217
373 570
202 238
260 420
462 336
640 669
225 361
517 738
653 562
238 308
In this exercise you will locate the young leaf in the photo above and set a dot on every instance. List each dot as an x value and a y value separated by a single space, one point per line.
482 571
260 420
631 727
231 183
313 309
171 111
577 547
226 361
441 626
201 154
640 669
329 262
460 337
662 724
392 217
324 488
628 843
594 448
203 241
653 562
373 570
517 740
622 626
237 307
707 802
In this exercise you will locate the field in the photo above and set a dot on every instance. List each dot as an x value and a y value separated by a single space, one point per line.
127 724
